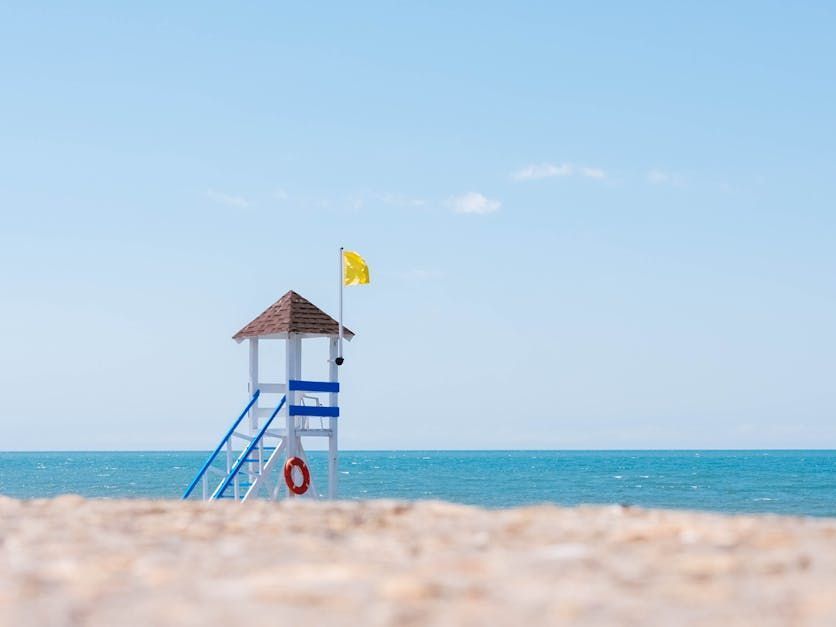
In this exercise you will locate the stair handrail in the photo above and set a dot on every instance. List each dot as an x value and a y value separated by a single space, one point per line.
243 457
217 450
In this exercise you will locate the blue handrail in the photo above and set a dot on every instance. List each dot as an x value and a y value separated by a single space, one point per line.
221 445
243 458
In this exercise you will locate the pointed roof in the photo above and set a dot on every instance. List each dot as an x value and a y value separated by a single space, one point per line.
292 314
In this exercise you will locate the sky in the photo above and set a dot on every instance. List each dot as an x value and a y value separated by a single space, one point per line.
589 225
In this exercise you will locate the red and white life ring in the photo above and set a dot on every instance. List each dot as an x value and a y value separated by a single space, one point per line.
296 462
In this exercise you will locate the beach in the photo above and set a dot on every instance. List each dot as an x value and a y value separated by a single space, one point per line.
74 561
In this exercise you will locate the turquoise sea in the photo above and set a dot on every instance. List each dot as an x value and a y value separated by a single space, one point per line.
782 482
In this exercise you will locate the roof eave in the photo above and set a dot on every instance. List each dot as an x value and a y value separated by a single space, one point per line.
283 336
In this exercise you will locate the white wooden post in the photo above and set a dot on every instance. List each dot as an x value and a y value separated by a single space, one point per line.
293 359
253 418
333 375
253 384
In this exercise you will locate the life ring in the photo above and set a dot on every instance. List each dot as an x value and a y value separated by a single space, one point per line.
288 475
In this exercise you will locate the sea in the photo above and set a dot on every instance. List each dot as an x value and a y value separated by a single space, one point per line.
791 482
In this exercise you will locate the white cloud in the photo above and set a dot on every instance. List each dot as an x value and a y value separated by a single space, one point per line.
535 171
227 199
657 177
356 202
281 195
593 173
400 200
660 177
473 202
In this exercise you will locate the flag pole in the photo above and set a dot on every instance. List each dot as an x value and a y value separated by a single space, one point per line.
340 359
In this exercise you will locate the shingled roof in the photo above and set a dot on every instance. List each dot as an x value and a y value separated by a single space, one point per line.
292 314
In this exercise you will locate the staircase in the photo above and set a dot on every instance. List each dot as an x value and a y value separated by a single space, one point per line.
243 474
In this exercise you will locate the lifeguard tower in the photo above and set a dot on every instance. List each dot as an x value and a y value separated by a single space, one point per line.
267 458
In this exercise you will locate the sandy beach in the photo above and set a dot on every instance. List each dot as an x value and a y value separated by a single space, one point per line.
71 561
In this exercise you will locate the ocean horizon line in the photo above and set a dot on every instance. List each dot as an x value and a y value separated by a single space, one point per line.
453 450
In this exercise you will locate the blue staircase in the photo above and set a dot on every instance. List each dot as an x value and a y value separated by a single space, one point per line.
245 473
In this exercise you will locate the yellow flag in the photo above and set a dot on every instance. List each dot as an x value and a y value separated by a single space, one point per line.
355 269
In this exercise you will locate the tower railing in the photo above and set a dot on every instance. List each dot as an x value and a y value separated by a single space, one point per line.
245 454
202 472
318 410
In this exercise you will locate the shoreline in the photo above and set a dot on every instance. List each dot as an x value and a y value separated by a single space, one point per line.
75 561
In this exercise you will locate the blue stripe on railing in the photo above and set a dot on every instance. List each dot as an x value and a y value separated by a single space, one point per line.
313 386
310 410
219 492
220 446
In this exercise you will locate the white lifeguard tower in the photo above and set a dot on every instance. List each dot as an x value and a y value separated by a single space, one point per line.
268 459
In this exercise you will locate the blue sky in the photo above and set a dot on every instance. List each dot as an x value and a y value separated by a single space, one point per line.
604 225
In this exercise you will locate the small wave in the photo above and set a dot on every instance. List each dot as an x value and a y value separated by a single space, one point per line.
763 498
617 477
